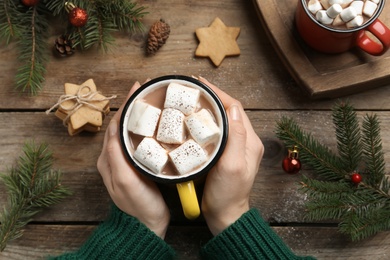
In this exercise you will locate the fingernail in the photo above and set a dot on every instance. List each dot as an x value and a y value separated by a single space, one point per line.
112 127
235 113
194 77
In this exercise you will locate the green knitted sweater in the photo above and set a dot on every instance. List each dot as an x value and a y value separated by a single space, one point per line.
123 237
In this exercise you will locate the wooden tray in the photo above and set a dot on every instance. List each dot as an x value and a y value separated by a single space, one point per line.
322 75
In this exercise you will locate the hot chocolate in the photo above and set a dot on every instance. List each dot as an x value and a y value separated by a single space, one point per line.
187 129
342 14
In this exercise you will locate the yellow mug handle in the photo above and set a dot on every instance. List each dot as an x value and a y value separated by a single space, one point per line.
188 199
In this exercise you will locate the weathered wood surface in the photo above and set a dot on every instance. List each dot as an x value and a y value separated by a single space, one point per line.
257 78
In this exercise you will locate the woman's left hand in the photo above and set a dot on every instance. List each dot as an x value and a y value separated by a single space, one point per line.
130 191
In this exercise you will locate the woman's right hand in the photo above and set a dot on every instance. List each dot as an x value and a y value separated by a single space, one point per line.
228 184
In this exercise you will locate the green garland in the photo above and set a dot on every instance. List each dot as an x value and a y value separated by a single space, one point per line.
28 26
32 186
362 209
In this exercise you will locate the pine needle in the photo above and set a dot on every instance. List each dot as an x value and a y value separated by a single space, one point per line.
31 186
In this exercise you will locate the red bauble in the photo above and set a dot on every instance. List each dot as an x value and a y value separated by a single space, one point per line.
78 17
30 2
291 164
356 178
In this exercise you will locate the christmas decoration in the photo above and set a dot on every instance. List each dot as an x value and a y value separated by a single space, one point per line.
30 2
363 209
356 178
32 186
158 35
291 164
217 41
30 27
64 46
82 108
77 16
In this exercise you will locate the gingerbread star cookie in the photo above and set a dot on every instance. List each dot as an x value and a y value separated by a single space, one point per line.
82 107
217 41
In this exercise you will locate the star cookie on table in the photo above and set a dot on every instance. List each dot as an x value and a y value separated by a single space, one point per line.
217 41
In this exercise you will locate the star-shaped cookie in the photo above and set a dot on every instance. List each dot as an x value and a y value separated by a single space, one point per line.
86 117
217 41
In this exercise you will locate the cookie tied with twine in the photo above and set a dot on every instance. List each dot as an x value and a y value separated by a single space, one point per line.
82 107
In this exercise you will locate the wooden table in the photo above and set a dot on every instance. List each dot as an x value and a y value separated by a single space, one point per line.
257 78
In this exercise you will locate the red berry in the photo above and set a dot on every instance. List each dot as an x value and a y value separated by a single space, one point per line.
356 178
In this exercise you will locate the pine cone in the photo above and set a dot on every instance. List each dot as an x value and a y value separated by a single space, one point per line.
64 46
158 35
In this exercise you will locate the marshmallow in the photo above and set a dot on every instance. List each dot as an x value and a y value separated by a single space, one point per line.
182 98
323 18
334 10
333 2
188 156
355 22
358 5
143 119
369 8
202 127
348 14
171 127
375 1
314 6
345 3
150 153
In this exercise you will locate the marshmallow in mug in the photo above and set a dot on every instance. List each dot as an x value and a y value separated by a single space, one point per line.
151 154
348 13
178 117
144 119
171 127
188 156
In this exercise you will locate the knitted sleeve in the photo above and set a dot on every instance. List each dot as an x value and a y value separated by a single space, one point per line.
250 237
122 237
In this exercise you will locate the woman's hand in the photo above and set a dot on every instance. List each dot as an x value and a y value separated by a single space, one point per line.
228 184
130 191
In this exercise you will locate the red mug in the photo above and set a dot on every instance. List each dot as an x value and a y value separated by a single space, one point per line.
332 40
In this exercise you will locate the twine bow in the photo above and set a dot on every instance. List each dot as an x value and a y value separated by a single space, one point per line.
80 99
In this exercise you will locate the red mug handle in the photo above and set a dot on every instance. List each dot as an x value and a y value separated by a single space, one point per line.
381 32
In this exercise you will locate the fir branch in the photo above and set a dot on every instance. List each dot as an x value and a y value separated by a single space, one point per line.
318 156
32 186
104 18
324 198
362 209
56 6
126 15
372 148
32 45
348 136
9 28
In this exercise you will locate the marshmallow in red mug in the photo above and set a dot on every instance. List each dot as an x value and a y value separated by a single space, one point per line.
346 31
